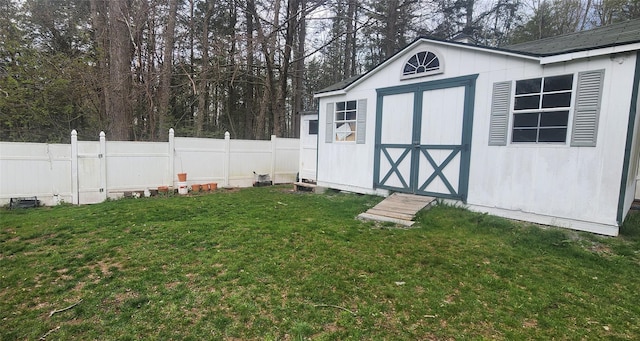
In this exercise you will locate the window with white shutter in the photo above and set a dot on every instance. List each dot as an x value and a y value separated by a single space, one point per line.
542 107
346 121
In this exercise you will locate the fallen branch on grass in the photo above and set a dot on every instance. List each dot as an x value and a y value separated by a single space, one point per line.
335 306
64 309
44 337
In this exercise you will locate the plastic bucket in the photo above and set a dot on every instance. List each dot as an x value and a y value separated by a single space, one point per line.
182 188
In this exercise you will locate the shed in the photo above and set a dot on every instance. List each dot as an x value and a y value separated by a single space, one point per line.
544 131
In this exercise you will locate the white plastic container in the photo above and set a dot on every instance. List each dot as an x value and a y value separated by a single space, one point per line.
182 188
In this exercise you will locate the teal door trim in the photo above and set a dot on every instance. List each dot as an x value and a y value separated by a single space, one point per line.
415 149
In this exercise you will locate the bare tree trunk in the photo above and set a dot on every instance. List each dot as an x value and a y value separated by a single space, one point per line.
390 29
468 27
268 46
249 100
120 53
280 121
101 34
164 90
203 92
299 69
150 71
349 40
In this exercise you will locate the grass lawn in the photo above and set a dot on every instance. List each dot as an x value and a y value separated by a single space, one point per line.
270 264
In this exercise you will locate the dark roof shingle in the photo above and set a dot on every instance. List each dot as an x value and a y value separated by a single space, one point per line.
606 36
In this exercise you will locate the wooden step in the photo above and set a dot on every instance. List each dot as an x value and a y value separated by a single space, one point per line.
307 187
399 208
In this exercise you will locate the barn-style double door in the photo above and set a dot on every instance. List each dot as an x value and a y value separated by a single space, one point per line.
423 137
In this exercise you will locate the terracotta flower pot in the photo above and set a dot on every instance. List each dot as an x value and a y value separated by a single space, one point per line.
195 188
213 186
163 189
182 177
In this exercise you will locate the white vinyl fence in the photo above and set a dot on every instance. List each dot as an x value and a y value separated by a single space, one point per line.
85 172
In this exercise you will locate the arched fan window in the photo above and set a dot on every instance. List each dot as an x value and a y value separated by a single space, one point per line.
422 64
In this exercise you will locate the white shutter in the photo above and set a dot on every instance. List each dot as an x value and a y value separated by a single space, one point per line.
587 109
361 123
328 133
500 110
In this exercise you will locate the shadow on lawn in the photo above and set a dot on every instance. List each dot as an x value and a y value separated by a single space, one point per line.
630 229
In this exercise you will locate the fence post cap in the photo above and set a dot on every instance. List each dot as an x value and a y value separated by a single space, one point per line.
102 134
74 133
226 134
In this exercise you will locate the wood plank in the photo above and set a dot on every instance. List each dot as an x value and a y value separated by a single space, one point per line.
391 207
391 214
398 207
411 206
387 219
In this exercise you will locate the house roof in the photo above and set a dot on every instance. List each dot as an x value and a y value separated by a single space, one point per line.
623 33
606 36
341 84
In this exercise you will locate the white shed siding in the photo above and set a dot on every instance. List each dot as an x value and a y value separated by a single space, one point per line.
578 183
575 187
347 165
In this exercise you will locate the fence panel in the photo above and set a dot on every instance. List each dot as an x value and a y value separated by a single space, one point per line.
202 159
136 166
287 152
35 169
246 157
90 171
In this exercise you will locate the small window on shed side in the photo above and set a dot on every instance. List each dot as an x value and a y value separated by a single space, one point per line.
313 127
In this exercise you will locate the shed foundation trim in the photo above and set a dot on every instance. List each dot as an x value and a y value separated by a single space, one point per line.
580 225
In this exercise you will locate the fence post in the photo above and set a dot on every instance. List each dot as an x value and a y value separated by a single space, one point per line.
103 165
172 150
227 158
74 167
273 159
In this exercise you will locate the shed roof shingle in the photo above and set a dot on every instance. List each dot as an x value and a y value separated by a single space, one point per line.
611 35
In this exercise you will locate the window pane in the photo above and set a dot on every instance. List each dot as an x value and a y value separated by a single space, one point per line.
345 131
554 119
350 115
340 116
432 61
553 135
527 102
528 86
524 135
313 127
558 83
409 69
525 120
351 105
339 106
352 135
561 100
